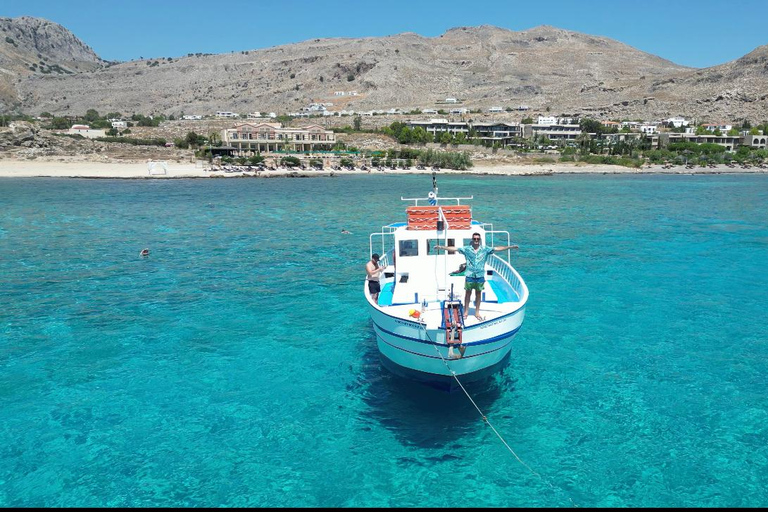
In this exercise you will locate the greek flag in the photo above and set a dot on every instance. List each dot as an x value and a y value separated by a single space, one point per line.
432 198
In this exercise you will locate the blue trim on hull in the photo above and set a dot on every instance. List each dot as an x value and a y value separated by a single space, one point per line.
442 382
511 336
469 343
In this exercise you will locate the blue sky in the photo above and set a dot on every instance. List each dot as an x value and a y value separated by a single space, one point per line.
698 33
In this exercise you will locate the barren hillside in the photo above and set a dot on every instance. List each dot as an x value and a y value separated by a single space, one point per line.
544 68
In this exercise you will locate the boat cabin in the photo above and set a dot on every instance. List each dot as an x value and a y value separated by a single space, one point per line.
415 271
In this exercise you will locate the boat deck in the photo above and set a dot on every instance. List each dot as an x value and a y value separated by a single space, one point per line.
495 303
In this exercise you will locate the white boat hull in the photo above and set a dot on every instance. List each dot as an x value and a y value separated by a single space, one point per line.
415 348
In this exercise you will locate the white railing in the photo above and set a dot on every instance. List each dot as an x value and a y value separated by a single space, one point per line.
505 270
386 231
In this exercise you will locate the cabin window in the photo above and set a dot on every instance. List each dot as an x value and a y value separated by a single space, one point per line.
431 243
408 248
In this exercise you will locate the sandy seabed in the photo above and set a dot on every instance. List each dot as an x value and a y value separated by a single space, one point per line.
10 168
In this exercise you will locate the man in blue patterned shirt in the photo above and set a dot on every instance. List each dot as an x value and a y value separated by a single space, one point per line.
476 256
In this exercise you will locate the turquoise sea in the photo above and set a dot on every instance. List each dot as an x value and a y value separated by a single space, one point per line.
236 365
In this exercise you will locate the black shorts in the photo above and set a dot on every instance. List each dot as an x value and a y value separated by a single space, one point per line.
374 287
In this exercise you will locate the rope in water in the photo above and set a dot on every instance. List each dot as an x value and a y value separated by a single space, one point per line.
484 417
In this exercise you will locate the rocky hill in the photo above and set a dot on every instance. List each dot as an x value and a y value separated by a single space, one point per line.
34 46
544 68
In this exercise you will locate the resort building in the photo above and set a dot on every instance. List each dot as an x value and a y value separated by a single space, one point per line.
730 142
755 141
226 114
251 138
436 127
502 133
552 131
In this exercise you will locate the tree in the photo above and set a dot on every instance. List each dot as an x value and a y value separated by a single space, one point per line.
446 138
358 123
60 123
193 139
421 135
527 120
91 116
591 126
405 136
584 142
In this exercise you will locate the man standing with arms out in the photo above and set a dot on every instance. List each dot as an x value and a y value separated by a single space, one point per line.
476 256
372 271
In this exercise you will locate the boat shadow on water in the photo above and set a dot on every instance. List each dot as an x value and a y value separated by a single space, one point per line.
427 415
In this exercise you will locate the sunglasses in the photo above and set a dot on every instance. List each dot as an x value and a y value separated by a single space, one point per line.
475 238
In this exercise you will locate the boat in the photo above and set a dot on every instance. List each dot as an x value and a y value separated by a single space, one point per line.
419 317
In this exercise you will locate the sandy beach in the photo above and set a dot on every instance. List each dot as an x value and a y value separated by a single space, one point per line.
10 168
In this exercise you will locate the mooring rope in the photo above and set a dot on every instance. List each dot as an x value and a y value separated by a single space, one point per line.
485 418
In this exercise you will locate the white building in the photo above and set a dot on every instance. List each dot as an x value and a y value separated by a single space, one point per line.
648 129
86 131
119 124
631 125
495 110
451 100
723 127
192 118
546 121
227 114
677 122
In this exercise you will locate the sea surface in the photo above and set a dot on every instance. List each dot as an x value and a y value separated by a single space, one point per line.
236 365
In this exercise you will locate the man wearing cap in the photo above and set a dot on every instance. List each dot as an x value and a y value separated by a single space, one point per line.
372 271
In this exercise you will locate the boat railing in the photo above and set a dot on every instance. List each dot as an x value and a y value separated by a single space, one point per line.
386 233
498 237
506 272
438 200
384 258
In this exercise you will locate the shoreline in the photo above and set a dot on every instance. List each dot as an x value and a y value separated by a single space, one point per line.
10 168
